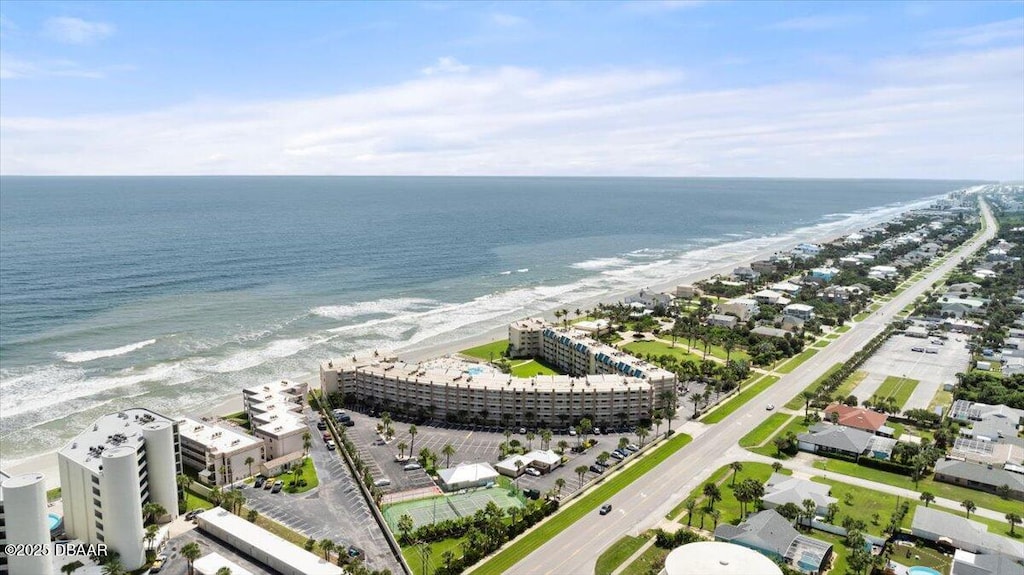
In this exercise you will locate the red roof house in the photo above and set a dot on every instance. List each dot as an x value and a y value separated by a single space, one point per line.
857 417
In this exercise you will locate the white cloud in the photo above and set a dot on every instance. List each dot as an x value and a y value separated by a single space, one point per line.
68 30
931 117
815 23
445 65
13 67
506 20
1004 31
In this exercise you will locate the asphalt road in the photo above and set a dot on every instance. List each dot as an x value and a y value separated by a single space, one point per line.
644 503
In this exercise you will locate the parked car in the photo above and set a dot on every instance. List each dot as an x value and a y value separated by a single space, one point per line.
277 487
260 480
158 563
412 466
617 455
522 431
596 469
331 446
321 425
633 447
348 423
597 431
327 437
572 432
606 509
354 551
269 484
382 482
532 471
770 406
602 465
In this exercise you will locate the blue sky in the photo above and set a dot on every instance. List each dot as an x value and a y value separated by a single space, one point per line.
831 89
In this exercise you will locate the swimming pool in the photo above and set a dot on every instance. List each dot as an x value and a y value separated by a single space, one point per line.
476 370
56 523
918 570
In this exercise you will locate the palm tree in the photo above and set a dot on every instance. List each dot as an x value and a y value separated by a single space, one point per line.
1013 519
412 437
151 511
113 566
405 526
249 461
448 451
565 317
809 509
191 552
690 504
728 344
969 506
529 440
402 446
426 550
448 557
562 446
307 442
776 467
223 571
183 482
715 516
545 438
581 471
713 494
326 545
560 483
642 433
150 535
808 396
927 497
72 567
657 421
736 467
216 495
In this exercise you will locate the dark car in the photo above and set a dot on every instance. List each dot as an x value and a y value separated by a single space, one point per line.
354 551
321 425
260 480
349 423
597 469
277 487
606 509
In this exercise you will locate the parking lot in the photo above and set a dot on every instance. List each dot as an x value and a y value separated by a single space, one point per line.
335 509
177 565
897 358
473 446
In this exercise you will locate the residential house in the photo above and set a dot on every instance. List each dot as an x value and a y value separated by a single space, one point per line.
982 477
849 262
745 274
766 296
743 308
934 525
799 310
688 291
824 273
827 439
772 535
786 288
766 331
883 272
967 563
649 299
722 320
782 489
963 289
764 266
859 418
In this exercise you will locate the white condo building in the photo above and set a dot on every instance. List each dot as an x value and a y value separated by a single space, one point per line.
219 454
23 520
606 385
109 471
275 415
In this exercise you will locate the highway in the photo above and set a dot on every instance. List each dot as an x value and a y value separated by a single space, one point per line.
644 504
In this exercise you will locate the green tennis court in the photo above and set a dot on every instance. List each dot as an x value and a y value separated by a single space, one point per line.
434 509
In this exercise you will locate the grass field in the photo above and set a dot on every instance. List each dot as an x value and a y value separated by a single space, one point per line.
820 344
488 351
843 329
861 503
798 401
898 388
862 316
765 430
741 398
797 361
954 492
942 397
503 561
729 506
531 368
618 553
797 425
433 509
414 554
651 561
642 348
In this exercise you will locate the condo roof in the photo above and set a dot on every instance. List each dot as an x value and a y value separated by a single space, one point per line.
215 438
123 428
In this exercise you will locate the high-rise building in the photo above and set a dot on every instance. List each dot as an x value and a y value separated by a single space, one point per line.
111 470
23 521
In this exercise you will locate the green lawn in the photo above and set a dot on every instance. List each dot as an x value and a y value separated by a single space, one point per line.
954 492
729 506
820 344
554 525
616 554
843 329
533 367
414 555
862 315
797 425
488 351
795 362
52 494
656 348
737 401
942 397
308 475
798 401
650 563
898 388
765 430
861 503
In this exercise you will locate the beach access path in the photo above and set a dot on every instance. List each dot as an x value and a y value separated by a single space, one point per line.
645 502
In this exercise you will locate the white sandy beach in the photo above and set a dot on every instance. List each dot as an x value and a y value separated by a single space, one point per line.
47 463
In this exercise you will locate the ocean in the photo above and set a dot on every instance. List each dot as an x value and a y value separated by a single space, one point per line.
175 292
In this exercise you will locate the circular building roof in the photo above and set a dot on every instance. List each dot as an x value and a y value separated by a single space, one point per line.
717 558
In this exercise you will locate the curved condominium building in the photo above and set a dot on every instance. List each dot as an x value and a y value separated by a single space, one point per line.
606 385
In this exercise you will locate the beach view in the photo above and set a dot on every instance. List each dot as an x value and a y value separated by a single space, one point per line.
505 300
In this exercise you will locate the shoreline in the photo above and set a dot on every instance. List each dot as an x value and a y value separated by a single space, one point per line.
46 463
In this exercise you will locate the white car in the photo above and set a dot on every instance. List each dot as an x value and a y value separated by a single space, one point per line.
572 432
770 406
532 471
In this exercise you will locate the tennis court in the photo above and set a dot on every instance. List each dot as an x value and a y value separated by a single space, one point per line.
434 509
